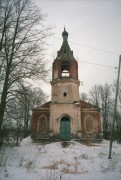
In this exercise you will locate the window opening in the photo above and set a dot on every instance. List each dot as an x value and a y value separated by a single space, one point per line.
65 94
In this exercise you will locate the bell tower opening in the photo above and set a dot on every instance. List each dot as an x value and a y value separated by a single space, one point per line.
65 69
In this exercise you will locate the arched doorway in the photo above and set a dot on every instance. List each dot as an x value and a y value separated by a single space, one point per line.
65 128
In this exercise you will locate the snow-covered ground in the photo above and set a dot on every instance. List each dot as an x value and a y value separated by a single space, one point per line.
35 161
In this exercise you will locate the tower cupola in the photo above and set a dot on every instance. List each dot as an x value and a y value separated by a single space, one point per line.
65 51
65 35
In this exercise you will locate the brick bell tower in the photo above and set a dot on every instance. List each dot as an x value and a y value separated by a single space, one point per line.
65 91
65 83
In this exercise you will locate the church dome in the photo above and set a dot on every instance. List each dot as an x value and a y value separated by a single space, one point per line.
64 33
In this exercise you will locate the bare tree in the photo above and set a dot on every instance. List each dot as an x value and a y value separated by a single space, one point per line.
94 95
22 45
107 110
83 96
101 96
18 110
117 127
28 98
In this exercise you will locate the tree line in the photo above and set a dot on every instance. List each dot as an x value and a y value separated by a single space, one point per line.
18 114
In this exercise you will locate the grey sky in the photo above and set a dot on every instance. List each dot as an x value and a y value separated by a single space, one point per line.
90 23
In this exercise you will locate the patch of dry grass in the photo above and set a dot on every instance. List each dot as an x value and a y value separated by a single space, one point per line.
66 167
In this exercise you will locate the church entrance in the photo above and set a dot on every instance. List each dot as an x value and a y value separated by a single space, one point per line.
65 128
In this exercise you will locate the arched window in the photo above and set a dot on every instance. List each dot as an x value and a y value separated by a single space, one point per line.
42 124
64 94
89 124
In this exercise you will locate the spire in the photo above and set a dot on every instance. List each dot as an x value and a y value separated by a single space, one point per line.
65 51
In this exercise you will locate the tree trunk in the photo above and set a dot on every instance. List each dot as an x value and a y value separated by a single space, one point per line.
17 137
26 121
3 98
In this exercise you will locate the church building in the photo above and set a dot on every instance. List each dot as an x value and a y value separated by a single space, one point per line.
66 117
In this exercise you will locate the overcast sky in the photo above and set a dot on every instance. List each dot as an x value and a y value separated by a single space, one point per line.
94 28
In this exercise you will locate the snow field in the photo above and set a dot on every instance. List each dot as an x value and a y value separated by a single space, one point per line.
35 161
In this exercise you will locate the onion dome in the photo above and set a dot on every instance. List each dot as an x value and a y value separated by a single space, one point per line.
64 33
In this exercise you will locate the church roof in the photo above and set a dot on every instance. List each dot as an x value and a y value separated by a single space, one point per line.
82 104
45 105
